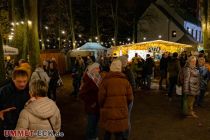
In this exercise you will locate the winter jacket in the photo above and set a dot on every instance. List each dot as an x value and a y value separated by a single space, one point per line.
204 77
191 84
11 97
173 67
115 94
130 76
39 73
89 94
148 66
37 115
163 64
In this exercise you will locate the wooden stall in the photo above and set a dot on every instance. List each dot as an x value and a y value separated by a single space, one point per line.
59 57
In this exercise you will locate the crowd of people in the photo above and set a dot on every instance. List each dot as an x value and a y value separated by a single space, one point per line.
109 104
28 100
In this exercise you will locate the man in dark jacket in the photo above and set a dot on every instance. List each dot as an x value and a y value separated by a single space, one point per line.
148 70
13 96
173 71
163 70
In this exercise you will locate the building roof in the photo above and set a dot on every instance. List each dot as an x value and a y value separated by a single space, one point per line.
187 38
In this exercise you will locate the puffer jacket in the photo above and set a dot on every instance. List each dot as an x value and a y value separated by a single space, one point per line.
115 94
191 81
39 73
37 115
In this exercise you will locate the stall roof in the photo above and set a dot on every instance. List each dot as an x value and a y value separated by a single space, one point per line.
162 44
91 46
10 50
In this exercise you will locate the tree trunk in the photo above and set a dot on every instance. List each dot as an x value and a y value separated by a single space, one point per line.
205 23
115 18
2 68
31 15
72 25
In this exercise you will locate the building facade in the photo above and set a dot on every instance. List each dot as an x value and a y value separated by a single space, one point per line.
161 21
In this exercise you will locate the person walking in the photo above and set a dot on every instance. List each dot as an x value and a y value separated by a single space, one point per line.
89 94
173 72
148 71
115 94
163 70
39 73
54 77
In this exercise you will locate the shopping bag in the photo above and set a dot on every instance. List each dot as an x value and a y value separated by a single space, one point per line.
178 90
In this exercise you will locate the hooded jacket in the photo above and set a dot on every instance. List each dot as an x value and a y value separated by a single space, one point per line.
37 115
115 94
39 73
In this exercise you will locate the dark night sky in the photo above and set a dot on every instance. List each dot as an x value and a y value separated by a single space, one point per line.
128 9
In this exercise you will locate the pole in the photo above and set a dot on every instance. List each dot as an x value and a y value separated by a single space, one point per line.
2 68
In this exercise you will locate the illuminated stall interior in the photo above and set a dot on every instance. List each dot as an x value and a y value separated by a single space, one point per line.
154 48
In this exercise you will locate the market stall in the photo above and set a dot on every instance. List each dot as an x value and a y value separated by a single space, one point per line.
10 50
90 48
155 48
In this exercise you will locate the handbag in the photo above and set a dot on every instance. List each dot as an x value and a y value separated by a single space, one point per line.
178 90
51 126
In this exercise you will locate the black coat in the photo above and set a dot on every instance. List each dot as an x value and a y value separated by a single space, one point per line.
148 66
11 97
163 64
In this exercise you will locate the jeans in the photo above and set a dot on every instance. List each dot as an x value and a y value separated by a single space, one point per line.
92 126
118 136
148 80
200 97
172 85
127 132
163 75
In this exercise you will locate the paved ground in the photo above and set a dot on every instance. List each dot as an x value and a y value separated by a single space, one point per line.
153 117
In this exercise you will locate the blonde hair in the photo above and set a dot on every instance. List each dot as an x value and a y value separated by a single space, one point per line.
191 58
38 88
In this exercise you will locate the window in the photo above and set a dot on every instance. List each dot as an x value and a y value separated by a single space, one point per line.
196 35
173 33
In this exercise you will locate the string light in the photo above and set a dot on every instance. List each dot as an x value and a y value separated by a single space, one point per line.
29 22
63 32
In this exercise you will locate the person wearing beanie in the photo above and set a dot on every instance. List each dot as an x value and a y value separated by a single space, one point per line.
131 78
116 66
115 95
89 94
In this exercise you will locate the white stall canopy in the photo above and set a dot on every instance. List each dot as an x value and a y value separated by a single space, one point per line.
92 46
10 50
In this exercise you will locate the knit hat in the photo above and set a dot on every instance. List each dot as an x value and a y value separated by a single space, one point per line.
116 66
93 66
27 67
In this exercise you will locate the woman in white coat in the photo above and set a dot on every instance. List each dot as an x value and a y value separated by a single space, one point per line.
40 113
